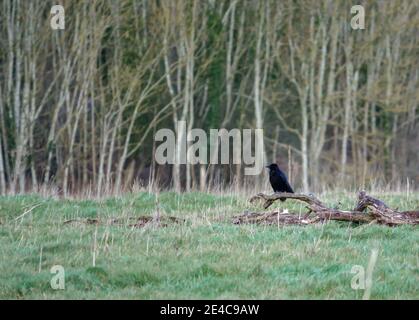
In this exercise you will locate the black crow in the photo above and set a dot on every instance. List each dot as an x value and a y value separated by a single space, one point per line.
278 180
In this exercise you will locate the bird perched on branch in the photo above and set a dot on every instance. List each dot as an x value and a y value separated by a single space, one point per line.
278 180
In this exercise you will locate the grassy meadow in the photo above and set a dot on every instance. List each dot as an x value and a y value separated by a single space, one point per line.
204 257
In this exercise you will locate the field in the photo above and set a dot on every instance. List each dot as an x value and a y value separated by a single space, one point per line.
203 257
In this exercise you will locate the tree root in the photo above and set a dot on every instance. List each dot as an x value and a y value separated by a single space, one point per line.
367 210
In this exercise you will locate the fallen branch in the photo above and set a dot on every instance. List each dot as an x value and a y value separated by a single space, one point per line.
275 217
367 210
269 199
383 213
136 222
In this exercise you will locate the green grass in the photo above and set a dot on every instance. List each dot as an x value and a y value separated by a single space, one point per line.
206 257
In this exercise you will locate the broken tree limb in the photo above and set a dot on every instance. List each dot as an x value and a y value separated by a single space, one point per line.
136 222
364 201
315 206
269 199
383 213
367 210
274 217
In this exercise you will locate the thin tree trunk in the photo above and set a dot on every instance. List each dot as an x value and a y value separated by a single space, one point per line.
347 112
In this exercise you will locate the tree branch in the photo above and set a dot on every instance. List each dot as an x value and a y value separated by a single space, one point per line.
317 212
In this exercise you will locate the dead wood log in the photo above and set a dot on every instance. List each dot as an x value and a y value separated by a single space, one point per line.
364 201
269 199
383 213
272 218
314 206
136 222
317 211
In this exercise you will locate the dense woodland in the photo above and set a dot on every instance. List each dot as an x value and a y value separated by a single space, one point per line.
79 107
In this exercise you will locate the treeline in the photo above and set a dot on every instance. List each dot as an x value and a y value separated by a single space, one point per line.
79 107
